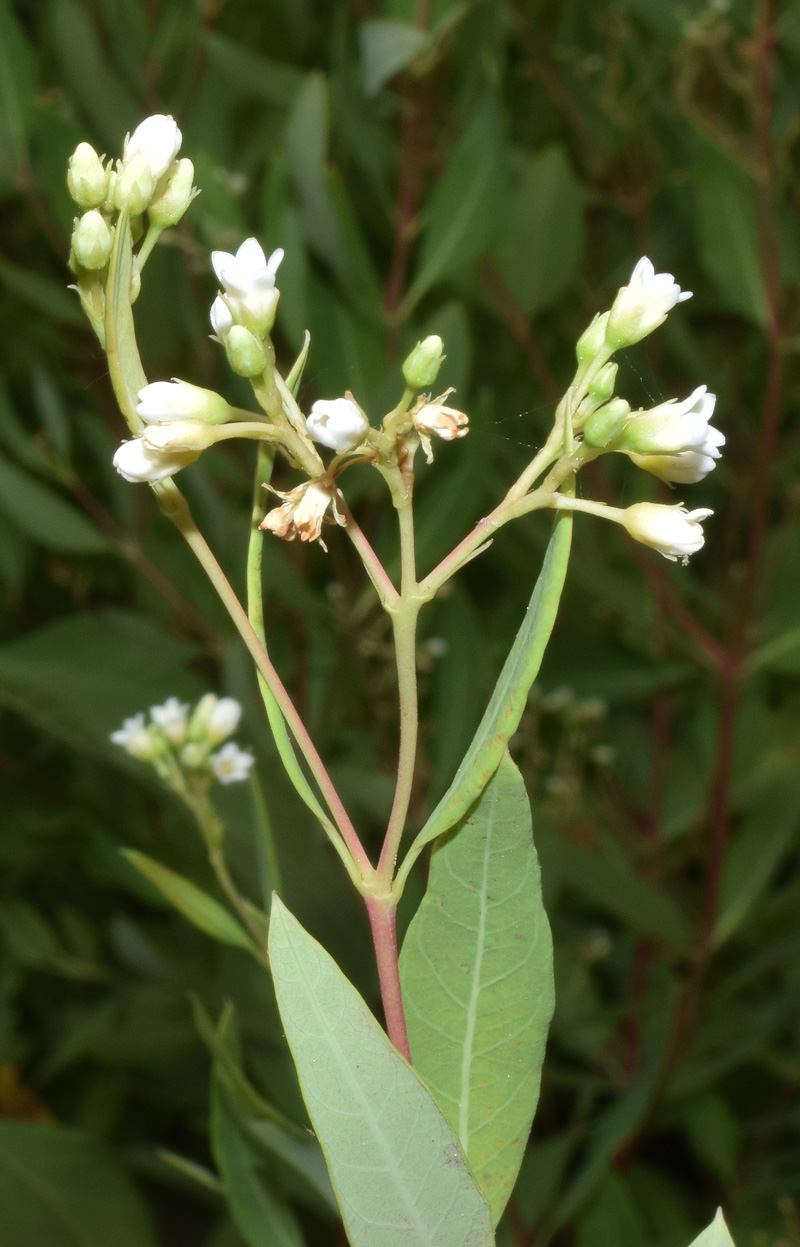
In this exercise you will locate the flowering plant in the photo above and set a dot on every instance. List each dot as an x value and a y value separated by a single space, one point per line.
423 1127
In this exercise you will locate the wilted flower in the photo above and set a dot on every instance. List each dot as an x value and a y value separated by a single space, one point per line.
248 278
135 738
158 139
302 511
673 531
432 419
338 423
642 305
161 401
171 719
137 463
231 764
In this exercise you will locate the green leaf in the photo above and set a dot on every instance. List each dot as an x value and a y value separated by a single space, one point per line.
396 1166
387 47
43 294
195 904
477 976
715 1235
61 1188
727 231
92 82
17 87
540 251
507 703
45 516
463 211
253 74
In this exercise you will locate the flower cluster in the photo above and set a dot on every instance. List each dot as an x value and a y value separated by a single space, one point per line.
184 744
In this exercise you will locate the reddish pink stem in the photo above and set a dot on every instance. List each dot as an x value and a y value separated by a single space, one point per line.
383 921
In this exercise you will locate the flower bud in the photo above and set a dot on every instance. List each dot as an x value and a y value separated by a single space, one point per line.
198 725
246 355
338 423
602 387
221 319
87 179
163 401
673 531
168 207
223 720
136 739
139 464
134 185
158 140
91 241
171 719
605 424
194 755
642 305
592 340
422 366
179 436
673 426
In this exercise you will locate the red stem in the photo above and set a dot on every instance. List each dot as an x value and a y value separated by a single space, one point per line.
383 921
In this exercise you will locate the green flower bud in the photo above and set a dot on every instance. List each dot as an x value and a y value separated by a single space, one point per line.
134 185
606 423
592 340
422 366
246 355
91 241
87 180
602 387
168 207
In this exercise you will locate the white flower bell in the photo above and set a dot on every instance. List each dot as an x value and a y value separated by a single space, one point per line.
642 305
171 719
673 531
135 738
338 423
139 464
158 139
675 441
232 765
248 279
162 401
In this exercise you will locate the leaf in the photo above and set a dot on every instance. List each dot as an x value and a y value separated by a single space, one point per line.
43 294
727 232
540 251
477 977
61 1188
17 87
463 211
507 703
45 516
94 84
715 1235
195 904
387 47
396 1166
253 74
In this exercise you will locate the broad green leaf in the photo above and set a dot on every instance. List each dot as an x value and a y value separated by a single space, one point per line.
17 86
728 233
61 1188
387 47
715 1235
540 250
505 709
396 1166
462 216
195 904
45 516
477 976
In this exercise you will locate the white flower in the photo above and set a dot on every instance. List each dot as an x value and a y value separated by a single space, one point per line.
302 511
248 279
223 719
433 419
338 423
673 531
137 463
642 305
87 178
675 441
134 738
231 764
179 436
179 400
221 319
158 139
172 720
134 185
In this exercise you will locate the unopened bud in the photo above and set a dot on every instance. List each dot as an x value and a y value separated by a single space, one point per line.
592 340
602 387
246 355
606 424
179 436
134 185
91 241
168 207
422 366
87 180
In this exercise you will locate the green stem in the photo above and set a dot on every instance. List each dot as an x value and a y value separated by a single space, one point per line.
268 849
175 507
152 236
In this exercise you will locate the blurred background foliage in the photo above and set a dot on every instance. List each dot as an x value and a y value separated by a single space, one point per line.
489 170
